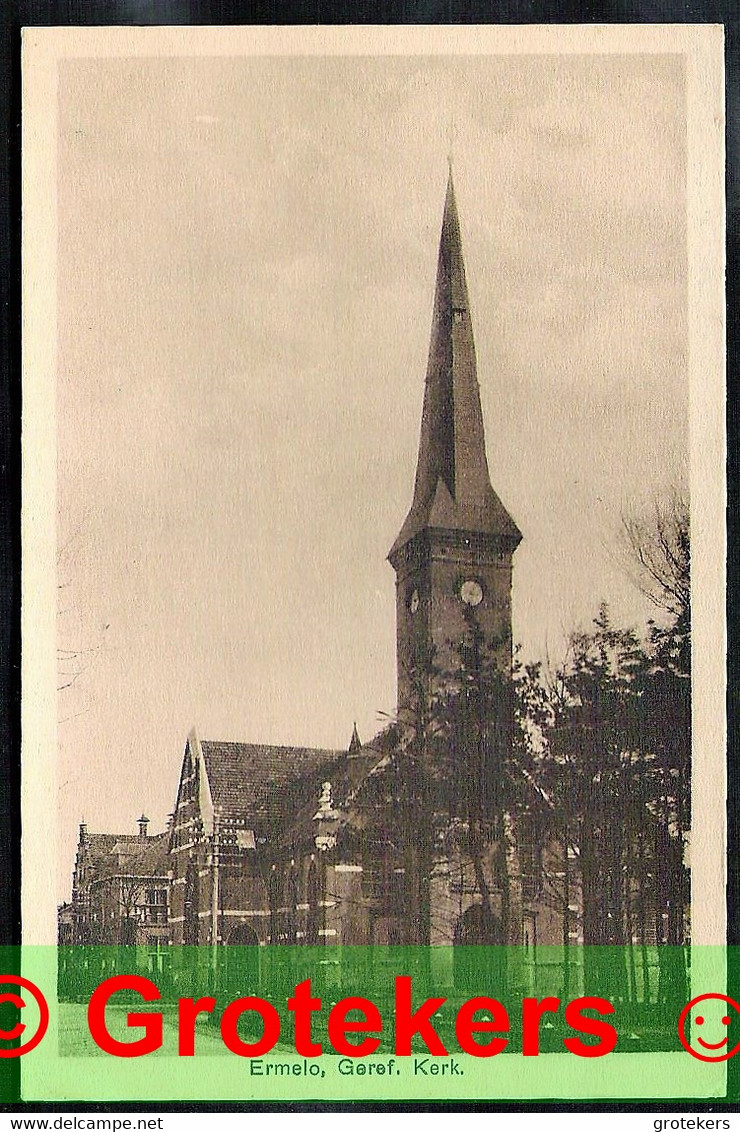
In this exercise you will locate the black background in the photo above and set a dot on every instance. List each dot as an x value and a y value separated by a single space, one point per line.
14 16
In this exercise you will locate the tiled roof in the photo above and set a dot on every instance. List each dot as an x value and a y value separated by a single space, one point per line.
347 776
126 854
262 782
99 845
151 858
452 490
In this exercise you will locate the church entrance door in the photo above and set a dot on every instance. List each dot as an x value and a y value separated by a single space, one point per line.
479 960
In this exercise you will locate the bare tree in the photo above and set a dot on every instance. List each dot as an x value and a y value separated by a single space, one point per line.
656 550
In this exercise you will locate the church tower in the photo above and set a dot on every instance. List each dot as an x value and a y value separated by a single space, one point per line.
453 556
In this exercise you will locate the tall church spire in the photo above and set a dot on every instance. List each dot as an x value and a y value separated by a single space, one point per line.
453 488
454 556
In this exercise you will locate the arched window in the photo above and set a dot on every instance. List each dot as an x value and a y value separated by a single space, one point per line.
192 903
529 848
313 896
291 899
243 960
273 896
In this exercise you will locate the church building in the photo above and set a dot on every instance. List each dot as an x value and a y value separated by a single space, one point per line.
380 843
416 836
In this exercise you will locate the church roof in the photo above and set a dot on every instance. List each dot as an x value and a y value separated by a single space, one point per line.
453 489
257 780
276 788
347 776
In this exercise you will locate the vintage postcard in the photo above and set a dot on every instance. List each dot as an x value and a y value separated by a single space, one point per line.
374 554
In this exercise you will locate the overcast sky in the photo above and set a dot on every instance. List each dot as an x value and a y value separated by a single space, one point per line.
247 254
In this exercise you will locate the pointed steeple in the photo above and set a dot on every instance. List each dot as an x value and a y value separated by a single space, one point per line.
355 744
453 488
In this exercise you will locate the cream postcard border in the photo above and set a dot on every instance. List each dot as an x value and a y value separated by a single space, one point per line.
701 47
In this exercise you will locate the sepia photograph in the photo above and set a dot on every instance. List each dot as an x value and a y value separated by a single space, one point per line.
382 382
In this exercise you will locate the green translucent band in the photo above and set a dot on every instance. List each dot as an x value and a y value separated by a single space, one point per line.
383 1023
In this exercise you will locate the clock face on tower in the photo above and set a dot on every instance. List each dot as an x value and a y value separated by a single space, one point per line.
471 592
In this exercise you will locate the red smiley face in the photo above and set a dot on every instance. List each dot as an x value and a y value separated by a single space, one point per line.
708 1030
